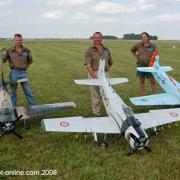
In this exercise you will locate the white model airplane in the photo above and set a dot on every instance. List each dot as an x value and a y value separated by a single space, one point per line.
169 85
120 119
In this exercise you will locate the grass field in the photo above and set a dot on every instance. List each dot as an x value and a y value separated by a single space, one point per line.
56 65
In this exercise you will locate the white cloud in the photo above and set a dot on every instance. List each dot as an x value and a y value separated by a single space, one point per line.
67 2
112 8
3 7
81 16
144 5
53 15
5 2
165 18
117 8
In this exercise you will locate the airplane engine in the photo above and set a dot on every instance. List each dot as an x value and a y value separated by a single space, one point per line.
133 133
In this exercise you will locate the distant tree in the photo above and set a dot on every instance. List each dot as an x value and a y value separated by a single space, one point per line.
133 36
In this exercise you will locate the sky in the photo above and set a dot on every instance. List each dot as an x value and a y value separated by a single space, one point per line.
80 18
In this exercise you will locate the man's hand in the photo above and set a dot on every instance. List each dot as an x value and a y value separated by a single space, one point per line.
91 72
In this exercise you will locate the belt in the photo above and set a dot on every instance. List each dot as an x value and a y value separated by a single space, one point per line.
19 69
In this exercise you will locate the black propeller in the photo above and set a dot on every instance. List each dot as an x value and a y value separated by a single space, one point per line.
9 127
132 151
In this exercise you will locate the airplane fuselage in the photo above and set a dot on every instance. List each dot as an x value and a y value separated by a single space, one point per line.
6 108
122 115
167 83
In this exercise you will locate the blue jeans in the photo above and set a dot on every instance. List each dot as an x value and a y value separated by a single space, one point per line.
14 76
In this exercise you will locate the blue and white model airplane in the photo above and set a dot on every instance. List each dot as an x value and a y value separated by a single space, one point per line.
120 118
168 84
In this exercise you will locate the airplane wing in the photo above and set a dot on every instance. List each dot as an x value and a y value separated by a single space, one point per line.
151 69
38 110
157 99
89 82
80 124
158 117
96 82
114 81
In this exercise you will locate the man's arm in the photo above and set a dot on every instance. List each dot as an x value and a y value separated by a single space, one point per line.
110 61
134 51
88 64
90 70
5 56
29 58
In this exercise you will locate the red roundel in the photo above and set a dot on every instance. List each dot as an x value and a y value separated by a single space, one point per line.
173 114
64 124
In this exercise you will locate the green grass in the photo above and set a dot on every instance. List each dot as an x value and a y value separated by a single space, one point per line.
56 65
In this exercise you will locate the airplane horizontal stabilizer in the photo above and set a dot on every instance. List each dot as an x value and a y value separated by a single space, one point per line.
39 110
80 124
114 81
15 82
157 99
89 82
158 117
152 69
166 68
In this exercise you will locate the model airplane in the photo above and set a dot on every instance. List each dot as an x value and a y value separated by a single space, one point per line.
168 84
9 115
120 119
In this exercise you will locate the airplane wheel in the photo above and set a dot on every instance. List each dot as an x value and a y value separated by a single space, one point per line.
103 144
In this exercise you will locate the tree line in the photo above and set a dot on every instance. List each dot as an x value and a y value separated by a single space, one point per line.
130 36
138 36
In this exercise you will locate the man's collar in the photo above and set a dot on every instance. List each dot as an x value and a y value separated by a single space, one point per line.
93 46
149 44
14 47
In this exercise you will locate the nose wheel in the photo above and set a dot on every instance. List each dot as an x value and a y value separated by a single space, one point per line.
103 144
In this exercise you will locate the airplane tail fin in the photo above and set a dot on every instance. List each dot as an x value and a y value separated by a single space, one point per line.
154 65
101 74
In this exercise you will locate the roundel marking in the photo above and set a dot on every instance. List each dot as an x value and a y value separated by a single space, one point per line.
64 124
173 114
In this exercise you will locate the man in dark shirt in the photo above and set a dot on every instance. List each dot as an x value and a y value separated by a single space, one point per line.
19 58
142 51
96 52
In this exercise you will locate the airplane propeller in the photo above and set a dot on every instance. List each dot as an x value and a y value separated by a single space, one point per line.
132 151
9 127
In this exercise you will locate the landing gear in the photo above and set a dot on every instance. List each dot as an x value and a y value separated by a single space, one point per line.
103 144
26 126
9 127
